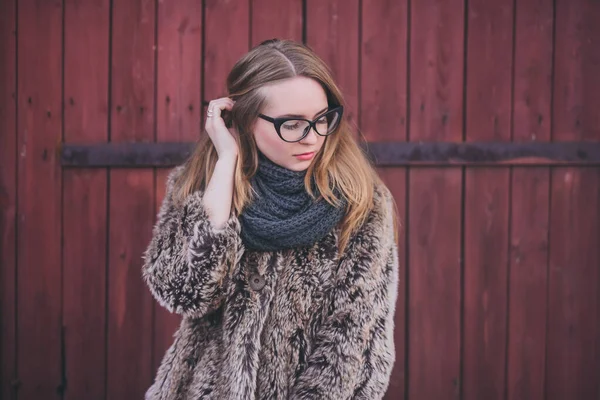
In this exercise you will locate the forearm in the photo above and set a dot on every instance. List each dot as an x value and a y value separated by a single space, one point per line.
219 191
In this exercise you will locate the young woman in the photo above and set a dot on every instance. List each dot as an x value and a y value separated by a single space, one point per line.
276 242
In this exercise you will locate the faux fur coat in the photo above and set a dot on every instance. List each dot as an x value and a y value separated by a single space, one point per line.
293 324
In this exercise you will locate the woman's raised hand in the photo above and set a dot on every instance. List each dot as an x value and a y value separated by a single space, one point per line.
221 136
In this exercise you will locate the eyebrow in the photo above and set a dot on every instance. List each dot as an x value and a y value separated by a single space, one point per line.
302 116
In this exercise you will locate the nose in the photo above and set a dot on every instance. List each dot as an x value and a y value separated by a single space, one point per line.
311 137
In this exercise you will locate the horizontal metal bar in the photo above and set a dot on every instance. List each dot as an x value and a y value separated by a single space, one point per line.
485 153
125 154
382 153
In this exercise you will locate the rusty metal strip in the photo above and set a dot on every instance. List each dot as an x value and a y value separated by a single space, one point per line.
390 154
485 153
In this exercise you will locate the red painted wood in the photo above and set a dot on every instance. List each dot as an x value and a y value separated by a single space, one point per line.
485 287
84 290
528 253
179 109
573 353
179 70
85 199
227 26
434 214
131 202
130 324
434 283
39 195
384 102
332 32
8 197
383 86
280 19
527 284
572 363
486 232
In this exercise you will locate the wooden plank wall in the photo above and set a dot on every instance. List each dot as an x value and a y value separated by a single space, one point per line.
85 202
499 295
8 196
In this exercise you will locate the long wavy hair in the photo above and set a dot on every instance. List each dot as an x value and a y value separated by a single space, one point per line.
340 164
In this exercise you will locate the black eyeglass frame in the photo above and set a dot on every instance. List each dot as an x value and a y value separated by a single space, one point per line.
277 122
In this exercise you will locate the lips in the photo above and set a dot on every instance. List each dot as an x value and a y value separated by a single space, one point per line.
305 156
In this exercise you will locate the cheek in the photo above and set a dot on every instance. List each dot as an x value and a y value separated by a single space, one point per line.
268 142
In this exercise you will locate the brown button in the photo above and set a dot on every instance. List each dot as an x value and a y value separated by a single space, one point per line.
257 282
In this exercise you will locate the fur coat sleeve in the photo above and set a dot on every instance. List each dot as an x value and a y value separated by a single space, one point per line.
354 348
188 262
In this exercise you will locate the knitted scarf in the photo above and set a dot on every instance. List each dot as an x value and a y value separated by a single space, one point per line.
283 215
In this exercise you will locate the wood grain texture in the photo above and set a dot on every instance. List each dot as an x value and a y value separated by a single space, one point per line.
8 198
530 189
383 86
131 201
179 109
528 283
384 105
130 323
179 72
226 39
39 271
434 280
84 289
281 19
434 215
488 118
573 353
332 31
85 199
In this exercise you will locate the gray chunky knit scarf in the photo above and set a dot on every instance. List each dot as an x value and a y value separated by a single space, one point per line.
282 214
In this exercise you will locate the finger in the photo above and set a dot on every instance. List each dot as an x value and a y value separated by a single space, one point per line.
220 104
215 107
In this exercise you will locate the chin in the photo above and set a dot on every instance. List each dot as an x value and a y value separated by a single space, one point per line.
299 165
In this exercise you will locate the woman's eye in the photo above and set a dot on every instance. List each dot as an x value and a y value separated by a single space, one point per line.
322 121
291 126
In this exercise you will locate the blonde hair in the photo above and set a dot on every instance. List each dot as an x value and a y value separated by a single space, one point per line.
340 164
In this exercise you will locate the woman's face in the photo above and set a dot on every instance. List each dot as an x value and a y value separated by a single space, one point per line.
298 97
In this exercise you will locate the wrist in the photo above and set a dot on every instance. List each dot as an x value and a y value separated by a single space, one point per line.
228 157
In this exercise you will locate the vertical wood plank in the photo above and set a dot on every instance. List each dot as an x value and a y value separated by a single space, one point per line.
527 284
434 206
39 193
179 70
383 110
383 86
528 255
8 198
281 19
573 351
572 358
131 201
488 117
226 31
434 283
85 199
84 288
332 31
179 109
